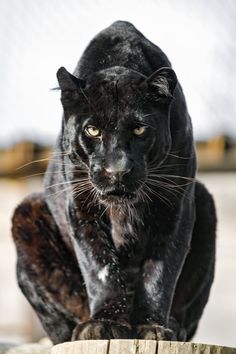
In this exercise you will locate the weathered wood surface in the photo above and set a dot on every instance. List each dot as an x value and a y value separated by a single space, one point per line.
192 348
83 347
136 346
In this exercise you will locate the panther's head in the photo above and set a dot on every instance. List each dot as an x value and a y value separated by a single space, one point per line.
116 124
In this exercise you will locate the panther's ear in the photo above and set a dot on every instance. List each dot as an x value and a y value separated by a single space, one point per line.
163 81
68 82
69 86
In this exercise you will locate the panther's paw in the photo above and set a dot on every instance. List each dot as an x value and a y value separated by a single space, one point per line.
181 333
101 329
155 332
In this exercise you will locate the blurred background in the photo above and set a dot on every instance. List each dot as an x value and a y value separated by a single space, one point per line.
36 38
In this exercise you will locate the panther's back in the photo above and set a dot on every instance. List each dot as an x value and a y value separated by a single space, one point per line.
121 44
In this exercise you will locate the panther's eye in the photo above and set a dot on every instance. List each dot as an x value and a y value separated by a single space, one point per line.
139 131
92 131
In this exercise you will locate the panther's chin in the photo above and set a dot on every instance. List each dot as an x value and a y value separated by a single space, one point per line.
117 197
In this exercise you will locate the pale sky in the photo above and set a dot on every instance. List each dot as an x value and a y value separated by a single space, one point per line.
39 36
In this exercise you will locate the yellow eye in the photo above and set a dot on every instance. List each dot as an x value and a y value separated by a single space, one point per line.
92 131
139 131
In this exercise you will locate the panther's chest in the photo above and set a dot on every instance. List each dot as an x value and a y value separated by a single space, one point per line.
126 227
130 239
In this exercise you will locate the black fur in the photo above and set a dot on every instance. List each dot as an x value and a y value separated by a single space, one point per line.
122 242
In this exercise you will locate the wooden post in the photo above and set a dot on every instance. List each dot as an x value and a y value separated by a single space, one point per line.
192 348
135 346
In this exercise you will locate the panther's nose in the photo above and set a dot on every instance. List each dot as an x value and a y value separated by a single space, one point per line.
115 173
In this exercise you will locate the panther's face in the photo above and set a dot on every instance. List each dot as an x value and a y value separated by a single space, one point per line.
117 125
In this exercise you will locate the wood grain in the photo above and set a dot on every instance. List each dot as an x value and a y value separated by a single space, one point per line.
136 346
192 348
82 347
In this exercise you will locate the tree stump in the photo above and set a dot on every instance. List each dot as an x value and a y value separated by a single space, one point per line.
136 346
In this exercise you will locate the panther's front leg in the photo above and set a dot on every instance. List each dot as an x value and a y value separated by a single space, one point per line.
158 279
105 282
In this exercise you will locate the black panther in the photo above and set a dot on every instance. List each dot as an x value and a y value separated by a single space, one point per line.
121 244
